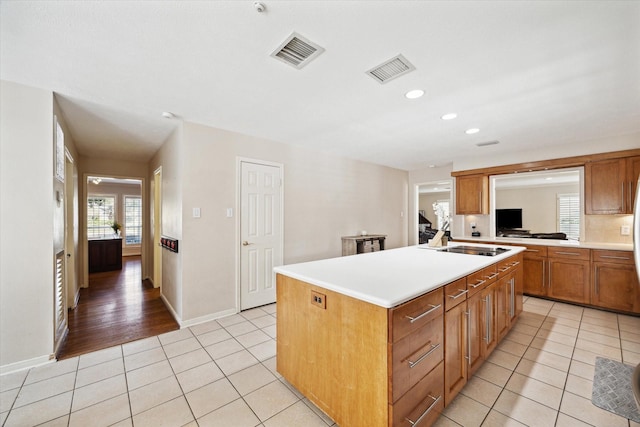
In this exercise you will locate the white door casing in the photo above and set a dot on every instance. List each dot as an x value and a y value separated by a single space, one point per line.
157 227
261 234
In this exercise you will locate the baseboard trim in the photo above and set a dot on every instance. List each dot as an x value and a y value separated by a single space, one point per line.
208 317
171 310
27 364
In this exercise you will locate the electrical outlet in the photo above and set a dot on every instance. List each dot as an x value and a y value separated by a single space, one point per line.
319 300
625 230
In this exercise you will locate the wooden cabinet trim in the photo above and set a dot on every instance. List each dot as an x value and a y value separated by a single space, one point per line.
565 162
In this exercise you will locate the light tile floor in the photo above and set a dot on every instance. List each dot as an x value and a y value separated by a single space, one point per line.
222 373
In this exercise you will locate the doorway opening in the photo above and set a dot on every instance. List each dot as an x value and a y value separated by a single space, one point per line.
434 209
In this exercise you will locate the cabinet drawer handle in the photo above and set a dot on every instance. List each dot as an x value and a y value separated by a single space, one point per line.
434 347
513 264
478 283
531 250
494 275
459 294
424 414
567 253
431 310
614 257
502 270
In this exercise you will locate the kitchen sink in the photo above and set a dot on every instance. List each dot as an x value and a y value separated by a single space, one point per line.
475 250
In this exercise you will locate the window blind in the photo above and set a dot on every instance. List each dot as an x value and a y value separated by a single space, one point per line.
100 216
569 215
133 220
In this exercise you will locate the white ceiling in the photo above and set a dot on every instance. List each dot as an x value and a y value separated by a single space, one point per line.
531 75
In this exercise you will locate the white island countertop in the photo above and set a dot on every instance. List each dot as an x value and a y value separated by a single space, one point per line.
391 277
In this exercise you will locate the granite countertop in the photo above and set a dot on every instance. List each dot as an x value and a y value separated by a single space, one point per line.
391 277
549 242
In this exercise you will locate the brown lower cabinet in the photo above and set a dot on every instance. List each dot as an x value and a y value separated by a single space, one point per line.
615 282
366 365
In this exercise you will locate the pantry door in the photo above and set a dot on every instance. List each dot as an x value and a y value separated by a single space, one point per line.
261 237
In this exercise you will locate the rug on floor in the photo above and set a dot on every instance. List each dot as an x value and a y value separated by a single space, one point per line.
612 389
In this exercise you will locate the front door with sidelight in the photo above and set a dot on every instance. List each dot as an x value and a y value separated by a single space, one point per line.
261 238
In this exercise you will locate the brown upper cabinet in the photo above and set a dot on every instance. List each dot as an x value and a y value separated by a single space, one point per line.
472 195
610 186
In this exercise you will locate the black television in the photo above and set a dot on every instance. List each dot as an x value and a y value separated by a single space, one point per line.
508 219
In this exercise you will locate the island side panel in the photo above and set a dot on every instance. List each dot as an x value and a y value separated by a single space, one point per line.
334 352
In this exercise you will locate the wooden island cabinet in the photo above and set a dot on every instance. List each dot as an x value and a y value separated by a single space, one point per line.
367 365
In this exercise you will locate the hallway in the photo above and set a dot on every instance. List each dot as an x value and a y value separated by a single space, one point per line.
116 308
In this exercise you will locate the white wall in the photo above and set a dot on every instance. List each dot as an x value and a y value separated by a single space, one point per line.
325 197
170 157
26 225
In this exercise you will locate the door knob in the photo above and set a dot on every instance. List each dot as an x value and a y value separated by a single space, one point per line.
245 243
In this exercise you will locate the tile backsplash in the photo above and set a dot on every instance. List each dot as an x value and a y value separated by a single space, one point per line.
606 228
598 228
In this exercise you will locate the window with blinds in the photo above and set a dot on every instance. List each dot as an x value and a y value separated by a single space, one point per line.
133 220
101 212
569 215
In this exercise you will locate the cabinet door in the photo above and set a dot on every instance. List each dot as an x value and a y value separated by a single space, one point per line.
96 257
615 286
475 319
605 191
455 351
518 291
489 326
472 195
569 280
633 171
534 276
503 309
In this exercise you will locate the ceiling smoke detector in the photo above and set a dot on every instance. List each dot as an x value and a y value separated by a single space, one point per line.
391 69
297 51
260 7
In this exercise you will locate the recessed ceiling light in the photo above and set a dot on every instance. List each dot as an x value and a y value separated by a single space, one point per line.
413 94
548 178
168 115
472 131
432 166
449 116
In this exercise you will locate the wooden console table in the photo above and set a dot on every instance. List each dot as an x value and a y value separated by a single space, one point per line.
352 245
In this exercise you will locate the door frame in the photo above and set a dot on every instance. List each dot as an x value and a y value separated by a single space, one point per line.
72 235
238 216
156 194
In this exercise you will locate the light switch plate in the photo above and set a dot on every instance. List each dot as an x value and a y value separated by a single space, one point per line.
196 212
625 230
229 212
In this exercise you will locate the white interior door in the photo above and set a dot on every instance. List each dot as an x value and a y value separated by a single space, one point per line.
261 238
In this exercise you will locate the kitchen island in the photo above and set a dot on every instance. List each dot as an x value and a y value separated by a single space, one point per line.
389 338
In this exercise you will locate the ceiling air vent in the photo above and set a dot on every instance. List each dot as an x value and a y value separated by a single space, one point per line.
484 144
297 51
391 69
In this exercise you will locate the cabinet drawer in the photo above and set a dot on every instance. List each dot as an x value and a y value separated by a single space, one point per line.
415 356
571 253
615 257
535 251
423 404
413 315
455 293
506 266
481 279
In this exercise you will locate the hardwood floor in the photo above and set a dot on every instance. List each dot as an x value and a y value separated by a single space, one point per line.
116 308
